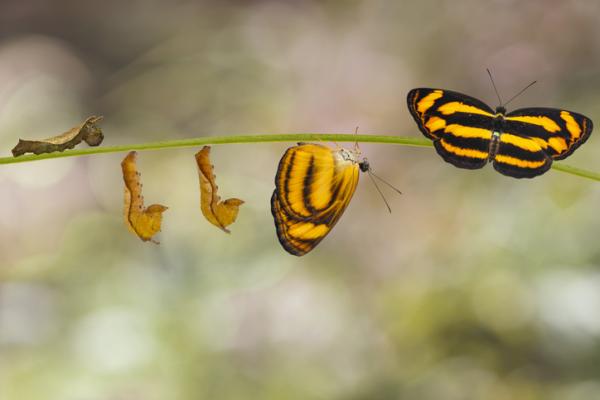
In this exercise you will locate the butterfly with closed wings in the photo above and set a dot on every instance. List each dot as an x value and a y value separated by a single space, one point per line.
313 186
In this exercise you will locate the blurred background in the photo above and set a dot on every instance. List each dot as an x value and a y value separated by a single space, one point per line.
477 286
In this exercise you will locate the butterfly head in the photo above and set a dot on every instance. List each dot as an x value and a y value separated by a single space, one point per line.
501 109
364 165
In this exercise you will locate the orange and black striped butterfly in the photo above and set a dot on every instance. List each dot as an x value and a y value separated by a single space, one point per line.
468 134
313 186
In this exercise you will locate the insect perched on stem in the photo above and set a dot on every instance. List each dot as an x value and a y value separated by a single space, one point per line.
468 134
313 186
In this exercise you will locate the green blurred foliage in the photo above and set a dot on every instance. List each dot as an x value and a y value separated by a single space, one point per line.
477 286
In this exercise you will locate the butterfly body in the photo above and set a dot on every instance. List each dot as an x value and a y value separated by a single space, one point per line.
313 186
468 134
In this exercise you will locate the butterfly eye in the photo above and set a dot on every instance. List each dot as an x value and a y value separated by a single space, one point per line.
364 165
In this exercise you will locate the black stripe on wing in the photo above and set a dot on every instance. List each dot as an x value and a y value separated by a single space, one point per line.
469 156
283 222
517 162
308 181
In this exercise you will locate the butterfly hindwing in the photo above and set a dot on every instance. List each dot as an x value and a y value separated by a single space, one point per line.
313 186
520 157
459 125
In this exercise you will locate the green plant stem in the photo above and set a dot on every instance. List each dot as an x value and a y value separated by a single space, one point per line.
576 171
293 137
201 141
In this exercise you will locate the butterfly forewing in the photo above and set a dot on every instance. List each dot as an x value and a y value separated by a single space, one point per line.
559 132
459 125
314 185
434 109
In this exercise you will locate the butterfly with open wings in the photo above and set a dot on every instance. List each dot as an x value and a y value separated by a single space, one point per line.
468 134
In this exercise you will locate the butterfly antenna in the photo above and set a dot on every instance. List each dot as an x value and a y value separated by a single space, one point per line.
379 190
386 182
521 92
355 139
495 88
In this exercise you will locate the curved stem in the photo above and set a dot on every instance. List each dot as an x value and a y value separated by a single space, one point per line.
201 141
292 137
